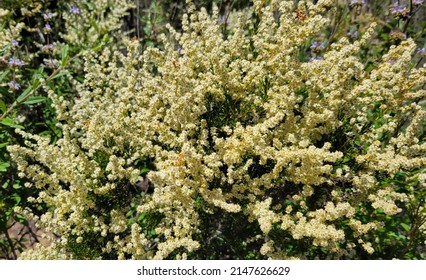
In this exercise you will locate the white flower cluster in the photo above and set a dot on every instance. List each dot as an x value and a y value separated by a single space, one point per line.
237 123
87 23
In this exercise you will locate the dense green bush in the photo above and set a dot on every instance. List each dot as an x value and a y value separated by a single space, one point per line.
288 130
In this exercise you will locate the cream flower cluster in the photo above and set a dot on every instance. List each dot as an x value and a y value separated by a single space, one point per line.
7 34
93 21
234 122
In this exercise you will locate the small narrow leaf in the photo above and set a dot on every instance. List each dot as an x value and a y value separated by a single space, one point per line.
9 122
4 75
24 94
60 74
4 166
64 56
35 100
4 144
2 106
16 197
405 227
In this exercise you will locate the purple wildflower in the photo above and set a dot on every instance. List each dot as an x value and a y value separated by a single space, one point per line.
315 58
15 62
399 10
14 85
417 2
15 43
357 2
75 10
50 63
394 7
47 16
421 51
317 46
47 27
223 20
353 34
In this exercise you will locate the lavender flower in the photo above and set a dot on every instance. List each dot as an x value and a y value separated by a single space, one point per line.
315 58
15 43
357 2
417 2
317 46
14 85
75 10
399 10
50 63
48 16
47 27
421 51
353 34
223 20
15 62
394 7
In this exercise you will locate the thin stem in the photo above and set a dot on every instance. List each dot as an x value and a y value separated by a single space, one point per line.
12 247
337 20
418 63
137 20
417 223
411 15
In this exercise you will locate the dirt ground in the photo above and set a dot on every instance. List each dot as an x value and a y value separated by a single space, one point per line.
30 235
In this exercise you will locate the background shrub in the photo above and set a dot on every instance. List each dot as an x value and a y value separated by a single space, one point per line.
289 130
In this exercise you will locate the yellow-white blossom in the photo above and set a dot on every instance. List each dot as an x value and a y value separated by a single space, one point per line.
237 123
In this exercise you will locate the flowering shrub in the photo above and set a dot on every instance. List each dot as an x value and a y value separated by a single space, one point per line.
33 53
235 145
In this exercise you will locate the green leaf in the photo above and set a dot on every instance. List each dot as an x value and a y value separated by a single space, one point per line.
4 75
39 74
21 219
90 5
64 56
16 197
60 74
35 100
405 227
144 171
28 90
9 122
4 166
24 94
2 145
16 186
380 211
4 91
141 217
2 106
99 45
